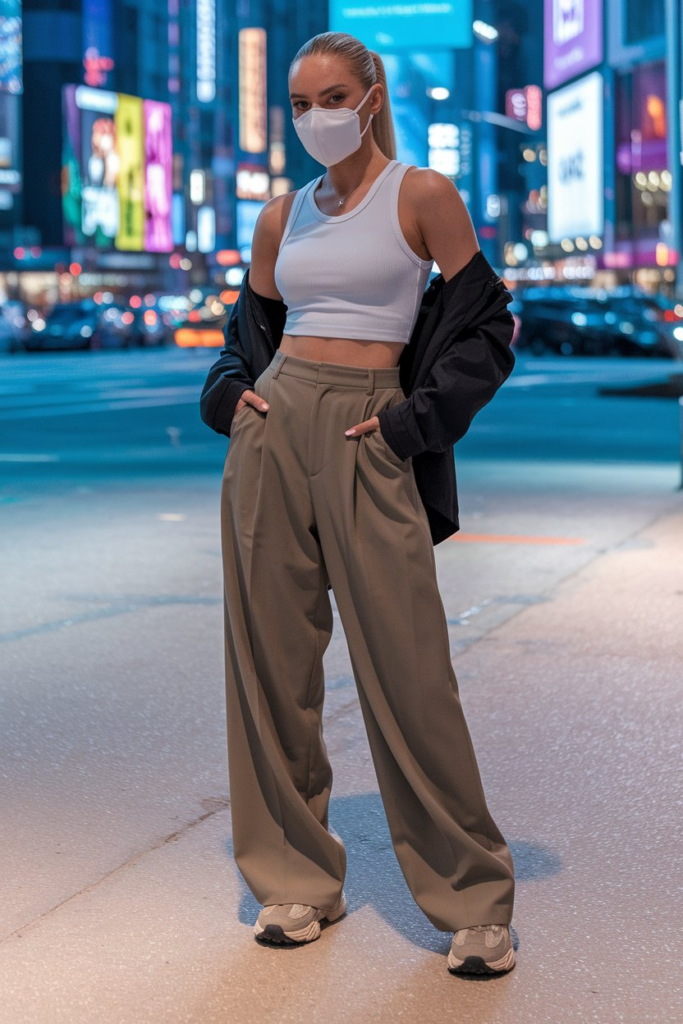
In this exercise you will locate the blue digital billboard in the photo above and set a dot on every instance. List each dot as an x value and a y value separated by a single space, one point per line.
411 25
10 46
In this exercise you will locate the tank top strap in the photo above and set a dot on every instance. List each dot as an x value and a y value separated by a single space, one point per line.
294 210
397 175
396 179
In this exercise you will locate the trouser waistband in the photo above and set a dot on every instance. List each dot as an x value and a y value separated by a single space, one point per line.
368 377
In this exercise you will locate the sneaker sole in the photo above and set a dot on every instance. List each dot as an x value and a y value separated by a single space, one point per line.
477 964
273 933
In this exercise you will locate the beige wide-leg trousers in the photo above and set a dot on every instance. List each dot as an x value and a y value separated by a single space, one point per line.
303 505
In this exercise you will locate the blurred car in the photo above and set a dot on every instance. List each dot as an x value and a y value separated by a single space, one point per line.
14 325
150 327
201 333
117 325
657 323
204 325
561 326
595 322
77 325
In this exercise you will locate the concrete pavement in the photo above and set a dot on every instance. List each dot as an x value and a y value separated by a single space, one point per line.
121 902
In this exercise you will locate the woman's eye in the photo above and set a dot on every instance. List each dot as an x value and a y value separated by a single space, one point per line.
337 96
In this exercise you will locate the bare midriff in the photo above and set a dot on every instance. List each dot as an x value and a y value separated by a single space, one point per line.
350 351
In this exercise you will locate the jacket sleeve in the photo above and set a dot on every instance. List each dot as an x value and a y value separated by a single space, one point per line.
228 377
462 381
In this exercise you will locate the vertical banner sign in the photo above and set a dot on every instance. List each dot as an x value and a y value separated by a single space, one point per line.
10 47
71 180
98 63
252 85
572 39
131 150
99 164
158 176
11 87
206 50
575 159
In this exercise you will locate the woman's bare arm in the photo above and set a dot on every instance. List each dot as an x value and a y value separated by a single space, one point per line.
268 231
442 220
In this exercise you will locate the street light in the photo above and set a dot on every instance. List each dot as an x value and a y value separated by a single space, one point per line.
482 30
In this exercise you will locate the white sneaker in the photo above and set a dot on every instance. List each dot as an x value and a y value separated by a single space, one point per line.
294 922
482 949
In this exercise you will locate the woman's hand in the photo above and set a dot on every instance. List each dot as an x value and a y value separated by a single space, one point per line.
250 398
363 428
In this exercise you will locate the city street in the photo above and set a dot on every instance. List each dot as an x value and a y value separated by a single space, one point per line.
563 592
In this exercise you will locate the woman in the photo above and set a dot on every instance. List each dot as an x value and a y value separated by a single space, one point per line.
315 497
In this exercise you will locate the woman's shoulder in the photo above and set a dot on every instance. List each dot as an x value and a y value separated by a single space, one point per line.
284 200
270 223
428 183
273 216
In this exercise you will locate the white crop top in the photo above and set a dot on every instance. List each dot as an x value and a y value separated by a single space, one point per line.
351 275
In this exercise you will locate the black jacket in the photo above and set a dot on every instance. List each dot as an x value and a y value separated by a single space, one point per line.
458 356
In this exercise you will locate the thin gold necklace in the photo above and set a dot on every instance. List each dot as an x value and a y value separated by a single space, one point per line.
340 202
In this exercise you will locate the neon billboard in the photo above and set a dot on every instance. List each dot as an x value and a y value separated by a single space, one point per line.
576 159
572 39
116 170
405 24
10 46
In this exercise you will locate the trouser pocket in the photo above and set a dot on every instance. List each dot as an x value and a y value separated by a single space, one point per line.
378 436
262 389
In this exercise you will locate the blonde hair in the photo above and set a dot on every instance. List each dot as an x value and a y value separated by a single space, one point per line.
365 65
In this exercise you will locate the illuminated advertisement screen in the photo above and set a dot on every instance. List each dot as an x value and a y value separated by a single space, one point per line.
247 212
130 150
206 50
407 25
575 159
96 19
252 90
10 46
572 39
158 176
116 170
10 158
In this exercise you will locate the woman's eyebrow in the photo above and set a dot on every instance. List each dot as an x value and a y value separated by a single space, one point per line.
323 92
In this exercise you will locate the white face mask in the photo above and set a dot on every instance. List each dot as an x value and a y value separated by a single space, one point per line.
330 135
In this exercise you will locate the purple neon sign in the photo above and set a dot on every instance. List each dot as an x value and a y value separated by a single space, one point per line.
158 176
572 39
